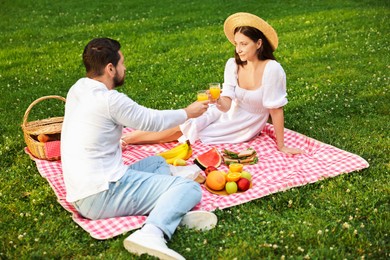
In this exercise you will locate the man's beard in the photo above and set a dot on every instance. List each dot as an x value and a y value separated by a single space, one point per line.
117 81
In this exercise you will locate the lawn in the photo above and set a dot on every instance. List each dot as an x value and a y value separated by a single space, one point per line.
337 58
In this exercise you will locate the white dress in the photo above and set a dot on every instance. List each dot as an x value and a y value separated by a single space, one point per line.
249 111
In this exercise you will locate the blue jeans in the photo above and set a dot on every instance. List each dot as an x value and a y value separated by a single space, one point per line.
147 188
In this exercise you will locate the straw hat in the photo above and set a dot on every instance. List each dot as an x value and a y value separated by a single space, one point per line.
247 19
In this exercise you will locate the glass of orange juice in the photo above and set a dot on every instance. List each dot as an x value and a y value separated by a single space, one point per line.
215 90
202 95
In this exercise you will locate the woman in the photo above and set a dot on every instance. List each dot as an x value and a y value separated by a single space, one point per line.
254 88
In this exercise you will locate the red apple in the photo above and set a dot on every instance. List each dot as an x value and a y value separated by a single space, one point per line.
243 184
210 169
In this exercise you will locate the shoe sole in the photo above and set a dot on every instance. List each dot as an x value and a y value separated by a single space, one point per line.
200 220
138 249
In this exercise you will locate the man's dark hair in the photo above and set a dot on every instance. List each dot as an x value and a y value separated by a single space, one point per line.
265 52
98 53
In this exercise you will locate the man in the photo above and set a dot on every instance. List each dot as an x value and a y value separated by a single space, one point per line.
97 181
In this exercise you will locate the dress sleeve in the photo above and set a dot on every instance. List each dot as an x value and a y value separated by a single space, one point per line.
274 83
230 79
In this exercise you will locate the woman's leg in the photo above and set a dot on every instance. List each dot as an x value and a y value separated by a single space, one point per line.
145 137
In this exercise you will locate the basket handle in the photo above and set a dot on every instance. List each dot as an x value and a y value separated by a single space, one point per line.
36 102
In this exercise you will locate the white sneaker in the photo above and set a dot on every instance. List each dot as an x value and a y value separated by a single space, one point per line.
188 172
142 243
201 220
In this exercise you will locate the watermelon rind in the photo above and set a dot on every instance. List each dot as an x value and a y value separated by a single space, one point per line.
210 158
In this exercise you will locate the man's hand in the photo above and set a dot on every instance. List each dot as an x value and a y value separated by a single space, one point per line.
197 108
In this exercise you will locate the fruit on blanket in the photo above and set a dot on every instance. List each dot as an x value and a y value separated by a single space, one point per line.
231 187
172 160
236 167
179 162
210 158
233 176
210 169
246 175
182 151
243 184
216 180
189 152
224 174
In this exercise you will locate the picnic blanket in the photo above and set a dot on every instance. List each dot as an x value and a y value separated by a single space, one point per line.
274 172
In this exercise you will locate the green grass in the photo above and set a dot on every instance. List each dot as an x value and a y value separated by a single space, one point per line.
335 54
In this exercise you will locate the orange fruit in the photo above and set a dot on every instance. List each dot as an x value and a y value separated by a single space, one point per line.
233 176
43 138
236 167
216 180
225 175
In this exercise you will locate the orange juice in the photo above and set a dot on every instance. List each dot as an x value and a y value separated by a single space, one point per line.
215 90
202 95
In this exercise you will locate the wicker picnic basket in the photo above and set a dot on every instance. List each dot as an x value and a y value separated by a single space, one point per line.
50 128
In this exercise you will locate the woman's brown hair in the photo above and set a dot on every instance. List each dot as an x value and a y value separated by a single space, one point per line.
265 52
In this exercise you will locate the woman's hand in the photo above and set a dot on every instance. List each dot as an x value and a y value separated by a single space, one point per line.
291 150
223 103
123 143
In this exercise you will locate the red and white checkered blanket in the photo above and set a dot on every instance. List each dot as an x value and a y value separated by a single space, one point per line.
274 172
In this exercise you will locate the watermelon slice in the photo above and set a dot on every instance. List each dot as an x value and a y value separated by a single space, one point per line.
209 158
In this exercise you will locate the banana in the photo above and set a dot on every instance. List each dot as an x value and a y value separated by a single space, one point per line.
176 162
189 153
180 155
175 151
170 160
179 162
